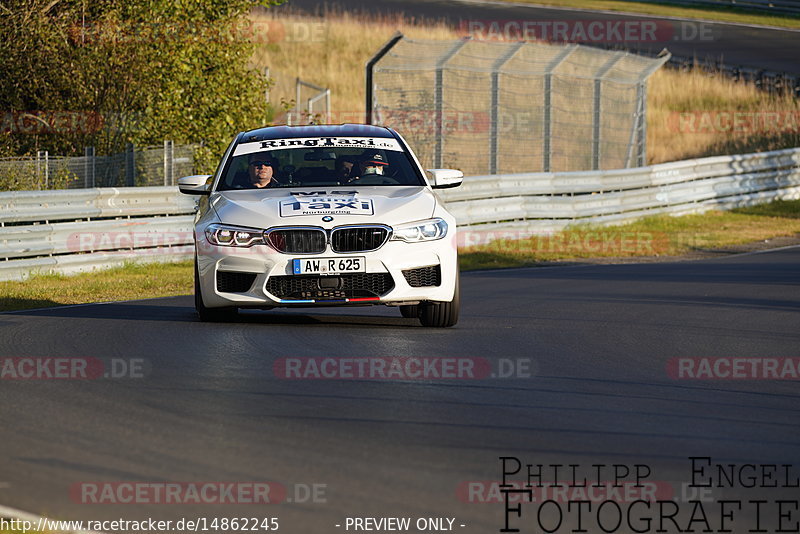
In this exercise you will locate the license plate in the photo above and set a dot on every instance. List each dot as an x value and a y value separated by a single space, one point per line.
355 264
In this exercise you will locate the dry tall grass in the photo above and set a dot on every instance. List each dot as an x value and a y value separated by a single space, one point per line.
335 55
694 114
331 51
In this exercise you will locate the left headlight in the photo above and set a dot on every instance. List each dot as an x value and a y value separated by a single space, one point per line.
233 236
429 230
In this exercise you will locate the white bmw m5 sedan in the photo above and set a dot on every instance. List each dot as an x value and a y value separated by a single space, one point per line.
306 216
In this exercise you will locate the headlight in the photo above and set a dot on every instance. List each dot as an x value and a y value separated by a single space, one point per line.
429 230
233 236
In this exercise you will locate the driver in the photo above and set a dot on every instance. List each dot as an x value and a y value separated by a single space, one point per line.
261 170
345 168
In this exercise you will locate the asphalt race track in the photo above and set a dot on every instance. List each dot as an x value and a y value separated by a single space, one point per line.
754 47
597 340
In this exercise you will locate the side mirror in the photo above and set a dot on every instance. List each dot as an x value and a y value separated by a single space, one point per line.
195 185
445 178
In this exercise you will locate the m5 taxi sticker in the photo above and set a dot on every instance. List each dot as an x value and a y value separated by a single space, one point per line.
322 203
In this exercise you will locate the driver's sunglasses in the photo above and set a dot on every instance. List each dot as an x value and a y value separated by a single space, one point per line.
265 163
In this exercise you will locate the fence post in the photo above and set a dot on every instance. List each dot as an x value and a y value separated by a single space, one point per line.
370 103
38 169
266 91
642 96
89 167
494 108
169 163
46 169
547 149
130 165
41 168
438 104
597 110
296 102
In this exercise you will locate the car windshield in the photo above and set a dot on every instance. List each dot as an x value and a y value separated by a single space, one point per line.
319 162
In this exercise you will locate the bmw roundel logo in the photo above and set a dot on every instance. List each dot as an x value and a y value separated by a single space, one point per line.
327 218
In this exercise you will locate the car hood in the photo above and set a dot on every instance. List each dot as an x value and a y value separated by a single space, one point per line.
390 205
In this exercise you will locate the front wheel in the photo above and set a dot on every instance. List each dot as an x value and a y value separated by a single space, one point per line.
441 314
213 315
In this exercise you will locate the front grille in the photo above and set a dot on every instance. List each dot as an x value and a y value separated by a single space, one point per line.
424 276
298 240
358 238
353 285
229 282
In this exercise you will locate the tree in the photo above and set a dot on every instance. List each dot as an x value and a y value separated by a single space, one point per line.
105 73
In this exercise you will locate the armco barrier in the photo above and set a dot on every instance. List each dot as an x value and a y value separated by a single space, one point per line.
72 231
79 230
548 202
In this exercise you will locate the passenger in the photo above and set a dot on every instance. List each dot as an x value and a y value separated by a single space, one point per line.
372 163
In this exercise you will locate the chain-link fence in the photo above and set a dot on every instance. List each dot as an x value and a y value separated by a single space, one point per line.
489 107
311 102
137 166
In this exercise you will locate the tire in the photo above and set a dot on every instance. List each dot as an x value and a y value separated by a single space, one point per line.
410 312
213 315
441 314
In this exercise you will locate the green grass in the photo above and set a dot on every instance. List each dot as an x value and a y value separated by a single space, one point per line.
660 235
722 13
133 281
653 236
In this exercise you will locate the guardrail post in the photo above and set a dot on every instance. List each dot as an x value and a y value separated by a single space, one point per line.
130 165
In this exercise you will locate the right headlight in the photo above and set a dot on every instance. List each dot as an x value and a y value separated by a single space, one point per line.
233 236
429 230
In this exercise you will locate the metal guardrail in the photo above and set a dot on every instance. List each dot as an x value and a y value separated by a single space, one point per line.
79 230
69 231
549 202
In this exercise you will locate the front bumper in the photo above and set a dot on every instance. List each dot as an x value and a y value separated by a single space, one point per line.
260 271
